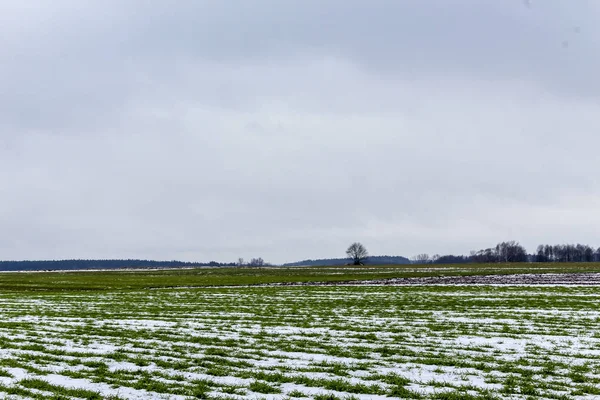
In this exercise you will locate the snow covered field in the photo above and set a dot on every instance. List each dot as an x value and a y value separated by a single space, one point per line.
323 342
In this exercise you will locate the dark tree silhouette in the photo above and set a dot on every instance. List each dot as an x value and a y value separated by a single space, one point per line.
510 251
358 253
422 259
257 262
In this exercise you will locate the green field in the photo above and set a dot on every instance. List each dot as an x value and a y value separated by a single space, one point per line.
195 277
129 335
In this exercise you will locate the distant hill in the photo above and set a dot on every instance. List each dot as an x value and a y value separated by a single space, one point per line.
101 264
373 260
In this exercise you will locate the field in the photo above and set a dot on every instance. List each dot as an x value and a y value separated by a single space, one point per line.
201 277
144 337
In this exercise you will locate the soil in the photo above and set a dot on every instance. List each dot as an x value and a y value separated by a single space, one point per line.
512 279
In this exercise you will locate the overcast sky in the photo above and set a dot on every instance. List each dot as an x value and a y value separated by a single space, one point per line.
287 129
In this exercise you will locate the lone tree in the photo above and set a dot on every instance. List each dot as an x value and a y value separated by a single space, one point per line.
358 253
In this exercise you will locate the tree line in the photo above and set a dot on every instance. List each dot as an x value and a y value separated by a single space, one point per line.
512 251
567 253
102 264
254 262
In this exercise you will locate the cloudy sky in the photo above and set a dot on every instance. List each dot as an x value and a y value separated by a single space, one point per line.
287 129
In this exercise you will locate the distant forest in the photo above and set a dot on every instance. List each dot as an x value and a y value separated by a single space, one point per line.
101 264
510 251
504 252
376 260
513 252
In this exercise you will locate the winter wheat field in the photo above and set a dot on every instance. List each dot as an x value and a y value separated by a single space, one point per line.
182 335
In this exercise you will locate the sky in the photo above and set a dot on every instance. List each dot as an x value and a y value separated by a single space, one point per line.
287 129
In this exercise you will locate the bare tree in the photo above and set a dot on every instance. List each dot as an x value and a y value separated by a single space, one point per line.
510 251
358 253
241 262
541 255
484 256
256 262
588 254
421 259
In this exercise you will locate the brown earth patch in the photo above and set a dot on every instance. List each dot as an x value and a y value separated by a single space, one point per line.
510 279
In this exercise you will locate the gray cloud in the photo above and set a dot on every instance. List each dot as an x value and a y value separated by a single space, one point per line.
289 129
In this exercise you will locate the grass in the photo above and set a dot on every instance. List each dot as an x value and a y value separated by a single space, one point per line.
236 276
79 340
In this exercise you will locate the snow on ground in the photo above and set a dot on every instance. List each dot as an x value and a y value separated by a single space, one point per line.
272 342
